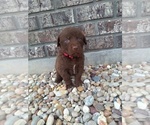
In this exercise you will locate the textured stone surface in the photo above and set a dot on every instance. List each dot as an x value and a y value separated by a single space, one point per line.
7 23
22 36
22 21
33 23
100 43
51 49
89 29
48 17
145 41
57 18
40 5
129 8
118 41
7 38
119 8
12 52
8 6
110 26
36 52
96 11
136 26
129 41
13 6
48 35
145 7
33 38
64 3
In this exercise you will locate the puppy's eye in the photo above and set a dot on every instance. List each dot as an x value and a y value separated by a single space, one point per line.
79 39
67 41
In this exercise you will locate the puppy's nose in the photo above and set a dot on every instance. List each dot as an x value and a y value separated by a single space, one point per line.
75 47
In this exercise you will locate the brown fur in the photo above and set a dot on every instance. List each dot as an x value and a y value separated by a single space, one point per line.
70 41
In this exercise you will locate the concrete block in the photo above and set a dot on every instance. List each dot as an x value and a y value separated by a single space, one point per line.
96 11
145 7
14 66
48 35
22 20
8 6
33 23
129 41
89 29
136 26
103 42
57 18
13 52
145 39
33 38
37 52
131 56
119 8
110 26
118 41
129 8
51 49
7 23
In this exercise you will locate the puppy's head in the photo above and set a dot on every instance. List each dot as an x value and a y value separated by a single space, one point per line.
71 40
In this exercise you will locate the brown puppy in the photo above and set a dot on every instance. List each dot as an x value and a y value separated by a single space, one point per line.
70 58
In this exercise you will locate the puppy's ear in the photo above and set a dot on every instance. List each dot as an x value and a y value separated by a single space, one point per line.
84 39
58 41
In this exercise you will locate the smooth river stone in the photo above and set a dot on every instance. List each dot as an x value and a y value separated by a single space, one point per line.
89 100
87 117
2 115
11 120
21 122
86 109
50 120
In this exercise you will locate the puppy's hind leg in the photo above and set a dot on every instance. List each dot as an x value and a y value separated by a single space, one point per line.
58 78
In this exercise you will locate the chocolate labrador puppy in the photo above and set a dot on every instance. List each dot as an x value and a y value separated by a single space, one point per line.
70 58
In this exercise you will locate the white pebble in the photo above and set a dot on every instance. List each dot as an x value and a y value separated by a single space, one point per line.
77 108
66 111
74 91
86 81
108 66
128 66
67 118
41 122
50 120
20 122
86 109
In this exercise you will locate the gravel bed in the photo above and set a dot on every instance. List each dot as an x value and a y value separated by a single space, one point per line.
110 95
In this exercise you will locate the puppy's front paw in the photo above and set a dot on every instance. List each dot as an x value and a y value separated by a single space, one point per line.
69 86
58 80
78 83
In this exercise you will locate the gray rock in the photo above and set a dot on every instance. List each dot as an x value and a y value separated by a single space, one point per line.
95 116
91 122
50 120
87 117
11 120
135 123
89 100
74 114
98 106
113 123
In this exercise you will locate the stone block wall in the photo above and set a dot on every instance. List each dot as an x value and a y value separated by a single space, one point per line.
30 29
99 19
13 29
135 24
